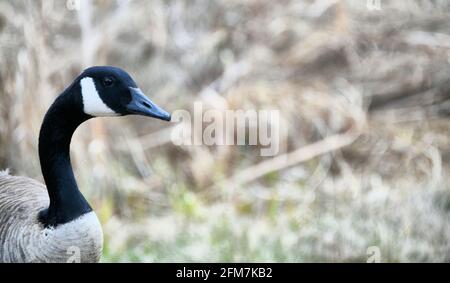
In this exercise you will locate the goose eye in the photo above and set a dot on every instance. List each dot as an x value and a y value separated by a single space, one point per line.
108 81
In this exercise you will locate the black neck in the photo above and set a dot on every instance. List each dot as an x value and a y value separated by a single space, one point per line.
66 201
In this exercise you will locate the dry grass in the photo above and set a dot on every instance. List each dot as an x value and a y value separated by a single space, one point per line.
346 178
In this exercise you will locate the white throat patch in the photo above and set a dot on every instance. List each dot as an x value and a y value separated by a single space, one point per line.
92 103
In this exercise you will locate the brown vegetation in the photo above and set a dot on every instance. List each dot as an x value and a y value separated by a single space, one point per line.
363 100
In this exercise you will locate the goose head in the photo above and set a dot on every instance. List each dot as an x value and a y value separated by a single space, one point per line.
110 91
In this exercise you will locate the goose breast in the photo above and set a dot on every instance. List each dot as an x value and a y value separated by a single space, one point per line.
24 239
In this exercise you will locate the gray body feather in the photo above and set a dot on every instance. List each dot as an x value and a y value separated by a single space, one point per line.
24 239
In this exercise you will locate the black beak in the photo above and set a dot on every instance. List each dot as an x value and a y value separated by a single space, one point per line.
141 105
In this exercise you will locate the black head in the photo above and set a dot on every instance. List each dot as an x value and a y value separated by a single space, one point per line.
110 91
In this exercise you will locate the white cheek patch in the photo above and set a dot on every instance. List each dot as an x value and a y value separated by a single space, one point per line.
92 103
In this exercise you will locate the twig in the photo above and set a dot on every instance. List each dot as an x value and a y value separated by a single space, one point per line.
302 154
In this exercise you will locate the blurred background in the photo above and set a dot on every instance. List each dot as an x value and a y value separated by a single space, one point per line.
364 96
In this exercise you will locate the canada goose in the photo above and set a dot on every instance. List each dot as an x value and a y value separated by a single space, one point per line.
39 225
